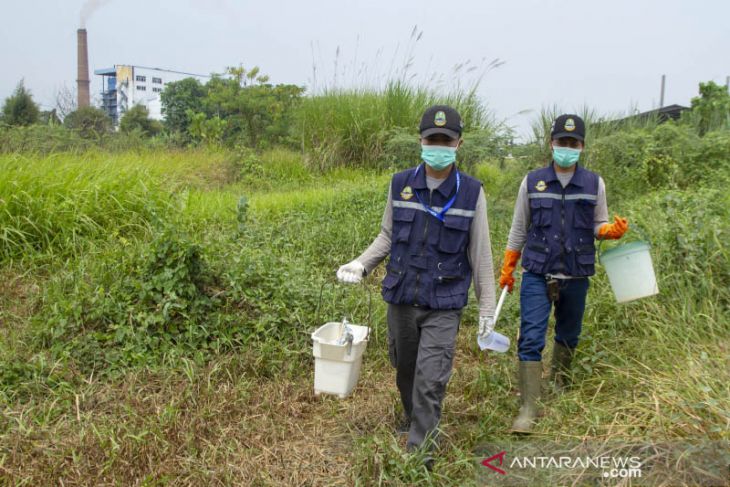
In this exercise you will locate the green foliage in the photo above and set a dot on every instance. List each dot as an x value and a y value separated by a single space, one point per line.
402 148
21 379
671 156
357 127
484 144
50 117
158 307
177 99
19 108
257 114
205 130
710 110
90 122
138 118
41 139
61 208
242 108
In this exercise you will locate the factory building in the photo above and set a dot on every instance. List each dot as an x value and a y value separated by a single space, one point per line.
124 86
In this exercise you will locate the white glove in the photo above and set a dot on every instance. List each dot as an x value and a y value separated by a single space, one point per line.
351 272
486 326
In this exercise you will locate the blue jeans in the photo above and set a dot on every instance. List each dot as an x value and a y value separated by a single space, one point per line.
535 312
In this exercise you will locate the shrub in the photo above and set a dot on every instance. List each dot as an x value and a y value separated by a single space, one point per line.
89 122
137 119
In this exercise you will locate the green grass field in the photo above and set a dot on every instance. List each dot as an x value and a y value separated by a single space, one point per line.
156 307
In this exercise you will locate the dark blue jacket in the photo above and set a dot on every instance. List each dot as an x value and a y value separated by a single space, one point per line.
428 263
560 237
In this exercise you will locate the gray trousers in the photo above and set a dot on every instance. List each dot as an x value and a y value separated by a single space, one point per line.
421 343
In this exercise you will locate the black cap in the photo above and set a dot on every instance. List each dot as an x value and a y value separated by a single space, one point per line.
441 119
568 126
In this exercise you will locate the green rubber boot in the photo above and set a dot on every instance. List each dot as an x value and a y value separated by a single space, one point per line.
560 375
530 383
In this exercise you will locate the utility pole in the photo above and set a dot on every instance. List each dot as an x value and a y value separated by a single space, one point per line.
661 95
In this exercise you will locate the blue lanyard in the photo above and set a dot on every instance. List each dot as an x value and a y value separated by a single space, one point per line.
436 214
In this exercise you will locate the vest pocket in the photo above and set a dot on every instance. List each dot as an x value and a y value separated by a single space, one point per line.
450 290
585 259
454 234
541 210
402 224
536 252
583 213
392 278
585 254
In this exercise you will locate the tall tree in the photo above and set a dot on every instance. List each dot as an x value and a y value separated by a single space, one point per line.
177 98
19 108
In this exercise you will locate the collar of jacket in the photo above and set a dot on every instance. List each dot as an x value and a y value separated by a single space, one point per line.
445 188
576 180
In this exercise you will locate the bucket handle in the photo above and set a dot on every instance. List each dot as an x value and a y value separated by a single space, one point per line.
370 305
642 233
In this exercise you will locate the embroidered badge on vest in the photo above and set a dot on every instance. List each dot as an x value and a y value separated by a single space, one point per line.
407 193
541 186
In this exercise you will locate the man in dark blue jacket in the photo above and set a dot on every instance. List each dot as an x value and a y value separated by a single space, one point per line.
435 230
560 210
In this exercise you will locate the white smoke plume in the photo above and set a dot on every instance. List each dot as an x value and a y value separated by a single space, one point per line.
90 6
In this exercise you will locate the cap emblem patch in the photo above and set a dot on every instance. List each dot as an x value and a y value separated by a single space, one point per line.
440 119
570 125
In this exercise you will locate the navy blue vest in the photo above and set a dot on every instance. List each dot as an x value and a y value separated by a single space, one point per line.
560 236
428 263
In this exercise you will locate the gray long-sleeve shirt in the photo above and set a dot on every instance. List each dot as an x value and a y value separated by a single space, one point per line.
479 251
521 219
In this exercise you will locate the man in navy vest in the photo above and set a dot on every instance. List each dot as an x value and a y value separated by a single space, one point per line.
435 230
560 209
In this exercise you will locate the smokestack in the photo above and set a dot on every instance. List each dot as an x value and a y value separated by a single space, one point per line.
661 94
82 80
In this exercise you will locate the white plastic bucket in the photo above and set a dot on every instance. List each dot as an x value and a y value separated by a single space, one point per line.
630 271
337 366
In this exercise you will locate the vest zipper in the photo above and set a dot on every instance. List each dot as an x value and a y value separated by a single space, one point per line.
423 247
562 232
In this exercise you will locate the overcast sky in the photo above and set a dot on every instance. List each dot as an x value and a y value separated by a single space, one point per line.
609 55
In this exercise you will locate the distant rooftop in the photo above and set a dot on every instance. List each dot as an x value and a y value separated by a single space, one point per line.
669 112
113 71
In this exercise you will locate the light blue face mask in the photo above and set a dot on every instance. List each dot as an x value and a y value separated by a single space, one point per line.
438 156
565 156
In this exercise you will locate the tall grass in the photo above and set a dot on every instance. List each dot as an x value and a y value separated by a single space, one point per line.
351 121
61 202
353 126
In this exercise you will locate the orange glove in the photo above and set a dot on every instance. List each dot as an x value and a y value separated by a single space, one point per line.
510 262
615 230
